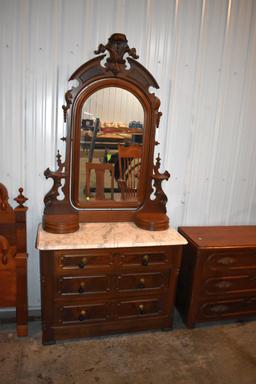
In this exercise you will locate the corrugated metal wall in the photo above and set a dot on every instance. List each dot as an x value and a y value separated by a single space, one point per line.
202 53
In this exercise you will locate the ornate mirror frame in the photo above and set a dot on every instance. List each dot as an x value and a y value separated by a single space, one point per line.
64 215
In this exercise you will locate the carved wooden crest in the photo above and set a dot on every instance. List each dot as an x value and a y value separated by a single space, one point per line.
117 47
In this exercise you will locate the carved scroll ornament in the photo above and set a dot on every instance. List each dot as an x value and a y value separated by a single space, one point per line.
117 47
4 247
3 197
56 176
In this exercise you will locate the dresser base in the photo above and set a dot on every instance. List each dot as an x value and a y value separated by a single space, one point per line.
95 292
81 331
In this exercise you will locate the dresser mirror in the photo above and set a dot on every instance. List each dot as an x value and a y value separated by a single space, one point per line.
110 139
108 173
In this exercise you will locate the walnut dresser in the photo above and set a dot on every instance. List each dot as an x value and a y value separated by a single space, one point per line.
218 274
107 278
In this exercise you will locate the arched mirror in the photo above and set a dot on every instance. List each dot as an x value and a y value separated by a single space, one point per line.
108 173
110 150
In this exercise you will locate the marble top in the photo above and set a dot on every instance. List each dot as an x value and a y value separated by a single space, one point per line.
107 235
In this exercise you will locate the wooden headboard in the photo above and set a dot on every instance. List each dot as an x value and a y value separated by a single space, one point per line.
13 258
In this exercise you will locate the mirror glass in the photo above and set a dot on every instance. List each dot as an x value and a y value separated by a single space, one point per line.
111 143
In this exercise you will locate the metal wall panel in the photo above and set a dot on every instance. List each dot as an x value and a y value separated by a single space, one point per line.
202 53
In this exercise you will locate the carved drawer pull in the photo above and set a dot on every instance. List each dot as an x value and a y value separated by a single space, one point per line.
226 260
83 263
141 309
219 308
145 260
223 284
251 300
82 315
81 288
141 284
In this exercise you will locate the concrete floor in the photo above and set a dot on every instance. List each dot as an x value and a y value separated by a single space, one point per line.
220 353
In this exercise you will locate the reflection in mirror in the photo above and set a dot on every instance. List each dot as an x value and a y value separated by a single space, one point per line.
111 140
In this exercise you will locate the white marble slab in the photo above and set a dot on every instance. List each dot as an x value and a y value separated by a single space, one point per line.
107 235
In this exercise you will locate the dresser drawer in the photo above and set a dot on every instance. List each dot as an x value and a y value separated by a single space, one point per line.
234 308
140 308
83 285
80 314
227 285
143 282
228 260
145 258
83 260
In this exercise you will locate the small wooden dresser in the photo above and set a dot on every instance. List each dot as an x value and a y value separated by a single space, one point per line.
218 274
107 278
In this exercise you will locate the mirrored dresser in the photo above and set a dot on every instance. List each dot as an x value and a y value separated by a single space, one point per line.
109 261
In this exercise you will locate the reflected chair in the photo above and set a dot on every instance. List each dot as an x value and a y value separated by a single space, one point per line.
129 169
100 169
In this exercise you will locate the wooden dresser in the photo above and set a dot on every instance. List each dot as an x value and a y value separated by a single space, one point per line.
107 278
218 274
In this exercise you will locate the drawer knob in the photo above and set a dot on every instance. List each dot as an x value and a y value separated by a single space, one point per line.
83 263
145 260
251 300
81 288
141 284
141 309
82 315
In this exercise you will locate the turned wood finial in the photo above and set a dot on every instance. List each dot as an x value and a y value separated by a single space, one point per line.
58 156
20 199
158 162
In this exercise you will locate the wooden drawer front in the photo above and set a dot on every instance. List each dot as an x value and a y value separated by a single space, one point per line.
144 259
227 308
230 284
140 308
143 281
82 313
83 285
83 261
230 260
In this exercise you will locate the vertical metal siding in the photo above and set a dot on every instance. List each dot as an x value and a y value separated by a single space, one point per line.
202 53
